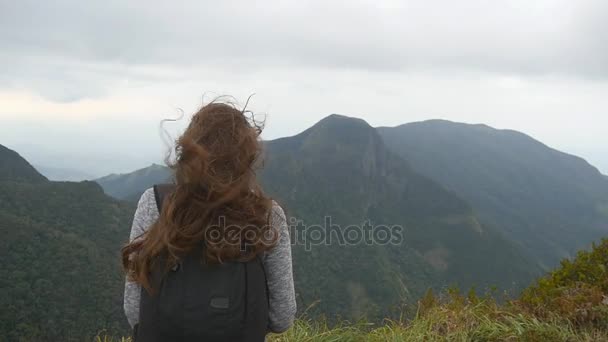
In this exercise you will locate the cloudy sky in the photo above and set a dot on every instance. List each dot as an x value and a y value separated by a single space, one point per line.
84 84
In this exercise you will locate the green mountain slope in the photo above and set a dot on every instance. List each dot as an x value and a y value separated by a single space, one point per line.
550 202
341 169
14 168
130 186
60 278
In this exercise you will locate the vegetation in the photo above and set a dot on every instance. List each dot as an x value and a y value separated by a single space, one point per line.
577 291
15 168
60 278
569 304
471 322
476 323
542 314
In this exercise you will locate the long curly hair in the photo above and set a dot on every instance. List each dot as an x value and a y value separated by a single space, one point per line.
217 203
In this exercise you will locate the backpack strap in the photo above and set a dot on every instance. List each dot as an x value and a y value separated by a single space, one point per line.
161 191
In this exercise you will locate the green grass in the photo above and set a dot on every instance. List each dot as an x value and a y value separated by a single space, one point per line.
464 321
457 320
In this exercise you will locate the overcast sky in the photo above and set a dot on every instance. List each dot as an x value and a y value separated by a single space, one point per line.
85 83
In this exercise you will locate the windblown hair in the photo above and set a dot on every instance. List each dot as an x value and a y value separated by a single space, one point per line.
217 204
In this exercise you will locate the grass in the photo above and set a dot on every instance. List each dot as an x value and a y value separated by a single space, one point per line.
481 321
458 319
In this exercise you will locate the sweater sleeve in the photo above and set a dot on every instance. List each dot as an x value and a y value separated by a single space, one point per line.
145 215
279 276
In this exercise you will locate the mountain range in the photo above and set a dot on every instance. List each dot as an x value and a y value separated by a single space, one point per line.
475 206
537 205
341 168
550 202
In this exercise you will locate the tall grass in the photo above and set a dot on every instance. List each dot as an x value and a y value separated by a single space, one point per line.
456 319
466 321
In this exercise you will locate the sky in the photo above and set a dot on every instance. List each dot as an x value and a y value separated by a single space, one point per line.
85 84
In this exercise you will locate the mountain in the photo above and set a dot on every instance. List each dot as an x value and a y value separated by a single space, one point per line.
540 202
130 186
60 278
550 202
340 168
14 168
445 204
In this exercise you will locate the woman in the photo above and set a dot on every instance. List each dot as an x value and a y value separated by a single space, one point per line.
211 259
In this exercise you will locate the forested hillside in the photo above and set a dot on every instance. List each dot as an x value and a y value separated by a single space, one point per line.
59 278
15 168
341 169
551 203
130 186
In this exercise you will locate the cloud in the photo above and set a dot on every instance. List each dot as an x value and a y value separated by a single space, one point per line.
564 38
89 66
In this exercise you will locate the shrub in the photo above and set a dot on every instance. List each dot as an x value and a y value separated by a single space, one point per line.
577 291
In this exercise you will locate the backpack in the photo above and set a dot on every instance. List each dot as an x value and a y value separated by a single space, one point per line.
198 302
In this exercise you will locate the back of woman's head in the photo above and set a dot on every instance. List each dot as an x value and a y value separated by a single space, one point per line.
218 149
217 203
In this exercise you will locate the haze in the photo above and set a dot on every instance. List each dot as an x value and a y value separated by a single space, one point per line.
85 84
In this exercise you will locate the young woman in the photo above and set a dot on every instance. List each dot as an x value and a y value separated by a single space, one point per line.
209 257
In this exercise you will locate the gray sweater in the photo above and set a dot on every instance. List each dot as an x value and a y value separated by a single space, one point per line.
277 263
